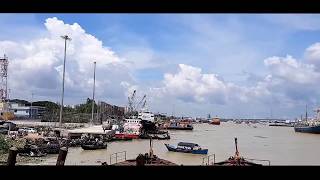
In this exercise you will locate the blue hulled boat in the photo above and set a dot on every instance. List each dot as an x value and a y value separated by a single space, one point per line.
186 147
309 126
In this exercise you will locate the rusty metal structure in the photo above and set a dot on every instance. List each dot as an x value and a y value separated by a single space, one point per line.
107 111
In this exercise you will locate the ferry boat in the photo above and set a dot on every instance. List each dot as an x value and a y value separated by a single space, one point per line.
309 126
186 147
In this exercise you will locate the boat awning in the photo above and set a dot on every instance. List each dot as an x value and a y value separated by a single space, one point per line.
187 144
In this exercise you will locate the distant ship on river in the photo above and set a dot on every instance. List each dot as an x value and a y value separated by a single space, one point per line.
309 126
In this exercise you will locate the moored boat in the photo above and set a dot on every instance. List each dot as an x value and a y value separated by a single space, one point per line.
93 146
179 126
186 147
215 121
237 160
309 126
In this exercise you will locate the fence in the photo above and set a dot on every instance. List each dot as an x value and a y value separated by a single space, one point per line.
118 158
211 159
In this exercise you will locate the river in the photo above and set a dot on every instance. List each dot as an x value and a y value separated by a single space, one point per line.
280 145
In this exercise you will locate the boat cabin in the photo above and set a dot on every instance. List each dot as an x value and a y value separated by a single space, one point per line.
186 145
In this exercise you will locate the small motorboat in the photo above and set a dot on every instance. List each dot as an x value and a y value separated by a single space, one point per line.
186 147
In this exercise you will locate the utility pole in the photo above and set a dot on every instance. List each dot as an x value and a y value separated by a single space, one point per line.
94 83
65 37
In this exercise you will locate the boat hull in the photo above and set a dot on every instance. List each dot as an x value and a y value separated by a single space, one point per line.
307 129
174 149
180 128
215 123
93 147
126 136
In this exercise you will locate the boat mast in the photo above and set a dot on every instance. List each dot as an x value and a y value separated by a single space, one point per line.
306 112
236 143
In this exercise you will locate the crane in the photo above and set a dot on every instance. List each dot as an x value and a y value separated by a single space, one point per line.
131 101
142 100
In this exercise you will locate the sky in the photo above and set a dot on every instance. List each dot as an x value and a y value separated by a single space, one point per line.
227 65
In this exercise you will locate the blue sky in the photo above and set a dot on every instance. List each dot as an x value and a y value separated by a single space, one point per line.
223 60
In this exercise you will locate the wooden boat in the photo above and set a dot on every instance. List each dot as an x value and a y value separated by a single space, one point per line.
94 145
155 136
186 147
215 121
148 159
179 126
237 160
31 151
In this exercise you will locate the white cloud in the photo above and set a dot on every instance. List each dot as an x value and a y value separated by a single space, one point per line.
289 69
312 54
37 64
189 84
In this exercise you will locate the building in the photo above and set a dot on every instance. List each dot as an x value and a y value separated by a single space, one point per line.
24 112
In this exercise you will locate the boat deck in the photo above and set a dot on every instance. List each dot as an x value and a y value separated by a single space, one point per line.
155 162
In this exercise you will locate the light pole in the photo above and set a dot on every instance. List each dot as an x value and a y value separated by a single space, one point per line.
94 84
65 37
31 112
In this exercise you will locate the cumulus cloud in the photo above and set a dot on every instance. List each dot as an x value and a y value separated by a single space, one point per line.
190 84
289 69
37 64
312 54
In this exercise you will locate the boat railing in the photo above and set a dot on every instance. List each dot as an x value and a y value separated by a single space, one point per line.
209 160
261 160
118 156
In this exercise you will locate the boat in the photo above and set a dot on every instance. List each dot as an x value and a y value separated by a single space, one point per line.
147 159
179 126
90 146
309 126
126 136
282 124
31 151
160 136
215 121
237 160
186 147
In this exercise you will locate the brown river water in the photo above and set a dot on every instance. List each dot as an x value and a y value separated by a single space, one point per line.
280 145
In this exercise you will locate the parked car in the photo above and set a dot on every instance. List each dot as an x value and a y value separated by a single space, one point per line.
27 130
10 125
3 131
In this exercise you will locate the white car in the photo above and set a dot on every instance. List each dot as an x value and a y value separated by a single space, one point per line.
27 130
31 130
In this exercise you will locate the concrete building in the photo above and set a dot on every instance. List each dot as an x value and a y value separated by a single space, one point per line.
24 112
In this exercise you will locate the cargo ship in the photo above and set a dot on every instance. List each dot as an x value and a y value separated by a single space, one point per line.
309 126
